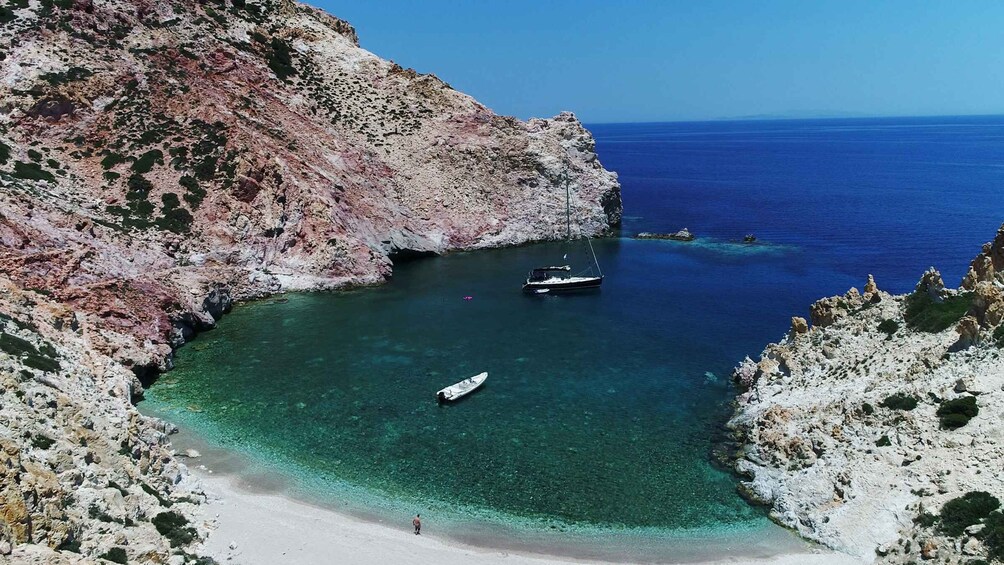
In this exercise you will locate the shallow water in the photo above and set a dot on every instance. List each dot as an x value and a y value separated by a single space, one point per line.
601 409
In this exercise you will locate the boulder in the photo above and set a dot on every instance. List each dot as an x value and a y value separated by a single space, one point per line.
968 330
798 326
826 311
972 546
929 549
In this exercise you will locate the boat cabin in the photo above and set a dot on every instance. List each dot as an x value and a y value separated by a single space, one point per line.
544 273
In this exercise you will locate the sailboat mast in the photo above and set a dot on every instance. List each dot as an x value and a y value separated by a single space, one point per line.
568 212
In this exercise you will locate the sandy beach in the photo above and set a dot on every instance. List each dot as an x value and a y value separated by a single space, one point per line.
250 528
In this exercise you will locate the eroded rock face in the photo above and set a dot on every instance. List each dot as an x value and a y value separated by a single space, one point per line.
988 304
968 329
821 446
826 311
988 266
159 161
871 293
931 284
798 326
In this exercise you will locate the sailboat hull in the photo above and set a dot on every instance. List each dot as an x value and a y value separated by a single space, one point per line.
556 284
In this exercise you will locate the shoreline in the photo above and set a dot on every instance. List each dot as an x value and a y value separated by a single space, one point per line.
241 506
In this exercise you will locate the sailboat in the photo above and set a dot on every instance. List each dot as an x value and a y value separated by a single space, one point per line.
559 278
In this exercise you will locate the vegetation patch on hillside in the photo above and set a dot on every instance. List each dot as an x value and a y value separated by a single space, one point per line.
32 171
899 401
175 528
43 358
969 509
888 327
925 314
954 414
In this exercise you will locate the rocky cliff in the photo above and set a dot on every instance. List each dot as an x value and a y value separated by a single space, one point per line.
872 430
161 159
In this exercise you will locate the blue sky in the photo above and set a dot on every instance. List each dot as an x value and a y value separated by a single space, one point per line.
633 60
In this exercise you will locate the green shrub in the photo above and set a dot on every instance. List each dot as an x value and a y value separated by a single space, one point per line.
4 153
194 194
924 314
42 442
112 159
999 336
888 327
32 171
115 555
147 160
925 519
954 414
867 409
960 513
174 527
34 155
174 218
44 364
993 535
15 346
899 401
74 74
883 441
280 59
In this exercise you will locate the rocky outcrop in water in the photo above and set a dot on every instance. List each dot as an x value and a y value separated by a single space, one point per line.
859 431
159 161
682 235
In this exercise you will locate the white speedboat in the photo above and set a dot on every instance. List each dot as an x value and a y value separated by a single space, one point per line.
463 388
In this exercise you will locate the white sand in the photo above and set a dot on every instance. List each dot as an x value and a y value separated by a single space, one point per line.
265 529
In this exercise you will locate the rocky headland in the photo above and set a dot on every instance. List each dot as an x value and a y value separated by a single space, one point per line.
161 160
876 430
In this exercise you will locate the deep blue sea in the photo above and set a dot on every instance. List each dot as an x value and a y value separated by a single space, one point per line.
595 430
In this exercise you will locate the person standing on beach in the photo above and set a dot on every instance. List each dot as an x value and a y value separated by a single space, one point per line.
417 522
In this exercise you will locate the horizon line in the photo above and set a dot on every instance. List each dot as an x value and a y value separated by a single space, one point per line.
766 118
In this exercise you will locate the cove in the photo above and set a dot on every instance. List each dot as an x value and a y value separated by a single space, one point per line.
599 415
594 432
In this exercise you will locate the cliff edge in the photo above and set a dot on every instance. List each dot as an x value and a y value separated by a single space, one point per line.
877 430
159 160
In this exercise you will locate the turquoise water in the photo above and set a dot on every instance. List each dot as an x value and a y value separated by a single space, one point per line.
596 411
601 409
